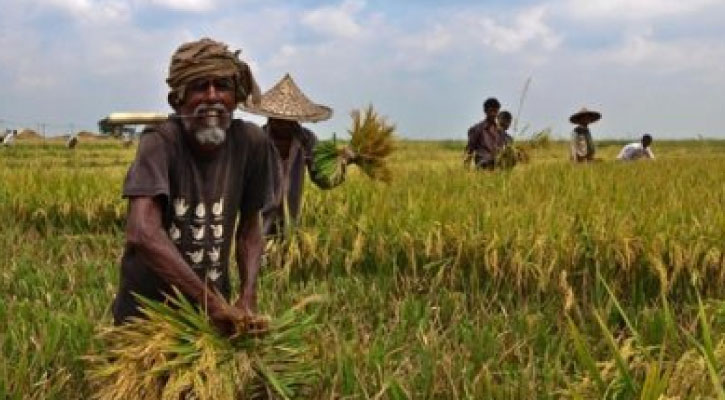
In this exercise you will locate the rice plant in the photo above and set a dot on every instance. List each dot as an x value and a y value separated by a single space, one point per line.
328 164
446 284
175 352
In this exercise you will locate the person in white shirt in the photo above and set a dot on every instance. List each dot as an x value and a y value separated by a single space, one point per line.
636 151
9 138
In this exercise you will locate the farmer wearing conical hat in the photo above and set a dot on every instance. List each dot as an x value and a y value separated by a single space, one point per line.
484 138
286 107
582 144
195 177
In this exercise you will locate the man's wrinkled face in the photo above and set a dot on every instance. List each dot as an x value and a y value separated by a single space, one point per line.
282 125
207 108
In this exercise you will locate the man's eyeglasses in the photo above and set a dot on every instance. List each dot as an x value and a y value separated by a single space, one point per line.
203 84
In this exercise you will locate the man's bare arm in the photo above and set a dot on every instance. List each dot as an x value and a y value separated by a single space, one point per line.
250 246
145 232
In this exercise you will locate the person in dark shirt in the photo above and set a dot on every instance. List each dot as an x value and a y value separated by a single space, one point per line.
484 140
286 107
504 122
195 178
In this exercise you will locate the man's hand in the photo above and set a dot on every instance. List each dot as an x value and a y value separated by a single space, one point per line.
348 156
226 318
247 302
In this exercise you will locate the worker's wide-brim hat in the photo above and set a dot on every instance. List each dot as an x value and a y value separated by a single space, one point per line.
286 101
585 116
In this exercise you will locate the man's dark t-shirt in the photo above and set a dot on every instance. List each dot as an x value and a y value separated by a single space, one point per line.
200 200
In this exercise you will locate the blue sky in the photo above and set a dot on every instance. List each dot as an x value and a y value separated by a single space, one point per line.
654 66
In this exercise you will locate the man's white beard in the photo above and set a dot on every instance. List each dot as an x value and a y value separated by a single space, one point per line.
210 135
212 129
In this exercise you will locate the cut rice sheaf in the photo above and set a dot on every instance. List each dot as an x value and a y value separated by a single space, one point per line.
371 142
175 352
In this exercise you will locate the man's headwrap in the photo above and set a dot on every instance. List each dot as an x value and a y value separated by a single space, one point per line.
209 58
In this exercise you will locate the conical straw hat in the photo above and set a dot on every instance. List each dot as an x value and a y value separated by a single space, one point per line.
286 101
585 116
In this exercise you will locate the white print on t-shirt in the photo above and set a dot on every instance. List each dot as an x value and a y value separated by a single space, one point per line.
174 233
197 232
217 231
214 254
200 211
218 207
213 274
180 207
196 256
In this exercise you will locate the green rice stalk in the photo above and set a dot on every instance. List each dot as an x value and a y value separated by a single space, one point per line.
619 358
708 351
327 164
175 352
581 348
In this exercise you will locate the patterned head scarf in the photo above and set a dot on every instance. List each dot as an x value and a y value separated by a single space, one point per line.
209 58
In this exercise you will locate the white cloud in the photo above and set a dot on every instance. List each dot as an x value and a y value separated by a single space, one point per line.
336 21
469 35
633 9
285 56
438 39
528 26
186 5
642 50
99 12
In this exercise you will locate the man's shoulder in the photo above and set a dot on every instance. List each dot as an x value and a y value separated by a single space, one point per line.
248 132
159 137
250 138
478 126
307 138
167 131
306 132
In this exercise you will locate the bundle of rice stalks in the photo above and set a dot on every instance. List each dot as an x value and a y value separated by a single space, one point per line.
511 155
328 164
371 142
176 353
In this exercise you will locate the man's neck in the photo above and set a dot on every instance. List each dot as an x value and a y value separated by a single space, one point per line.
282 139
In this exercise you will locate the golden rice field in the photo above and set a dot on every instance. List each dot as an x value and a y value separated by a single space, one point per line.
551 281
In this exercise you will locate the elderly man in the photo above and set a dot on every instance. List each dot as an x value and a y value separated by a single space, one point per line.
286 107
484 138
196 177
637 150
